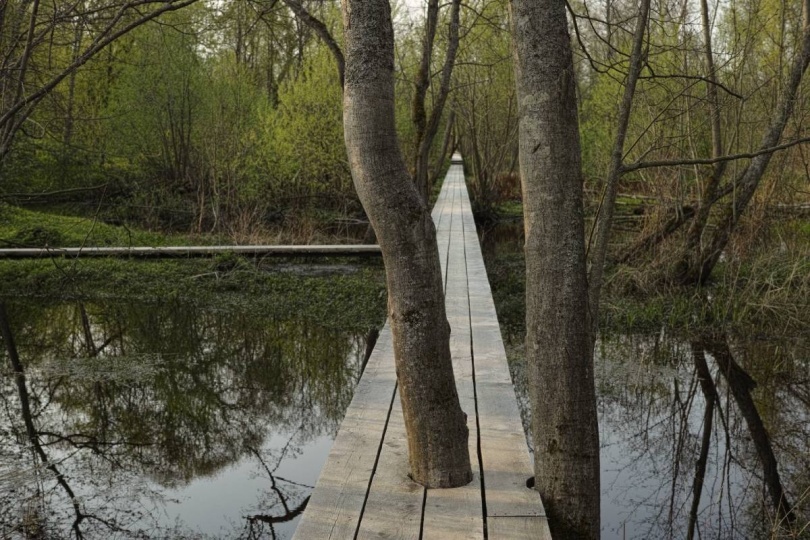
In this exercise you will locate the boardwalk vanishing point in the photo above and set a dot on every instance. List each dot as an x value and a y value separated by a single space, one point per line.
364 491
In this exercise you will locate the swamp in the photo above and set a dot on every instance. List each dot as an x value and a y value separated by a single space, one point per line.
199 397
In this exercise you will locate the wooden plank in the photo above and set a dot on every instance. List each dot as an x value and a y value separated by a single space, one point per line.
334 510
193 251
518 528
443 216
394 506
458 513
504 452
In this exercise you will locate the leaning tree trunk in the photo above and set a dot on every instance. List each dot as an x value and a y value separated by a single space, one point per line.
558 347
435 424
741 384
701 266
604 215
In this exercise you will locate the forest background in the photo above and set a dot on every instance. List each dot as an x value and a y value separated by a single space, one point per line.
223 121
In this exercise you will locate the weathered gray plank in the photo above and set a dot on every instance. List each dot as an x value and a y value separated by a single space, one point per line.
458 513
443 217
504 453
518 528
394 506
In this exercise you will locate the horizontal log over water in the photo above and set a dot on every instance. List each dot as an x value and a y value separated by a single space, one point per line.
174 252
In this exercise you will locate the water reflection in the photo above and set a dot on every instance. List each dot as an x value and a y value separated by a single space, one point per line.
703 437
165 420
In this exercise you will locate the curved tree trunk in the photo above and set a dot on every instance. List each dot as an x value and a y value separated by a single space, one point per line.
559 355
320 29
435 424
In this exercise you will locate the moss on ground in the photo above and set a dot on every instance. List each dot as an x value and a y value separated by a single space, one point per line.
348 295
509 210
28 228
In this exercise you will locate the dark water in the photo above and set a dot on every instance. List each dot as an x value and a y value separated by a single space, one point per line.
166 420
664 401
204 420
676 409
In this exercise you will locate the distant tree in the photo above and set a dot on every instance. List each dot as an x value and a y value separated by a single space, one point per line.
484 101
427 125
704 139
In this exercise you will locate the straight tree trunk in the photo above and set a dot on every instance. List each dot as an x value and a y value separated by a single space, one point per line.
435 424
693 248
709 391
559 355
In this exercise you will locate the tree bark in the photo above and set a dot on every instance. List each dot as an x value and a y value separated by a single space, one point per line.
559 355
435 424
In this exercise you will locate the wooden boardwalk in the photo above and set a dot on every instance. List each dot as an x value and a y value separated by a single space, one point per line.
364 492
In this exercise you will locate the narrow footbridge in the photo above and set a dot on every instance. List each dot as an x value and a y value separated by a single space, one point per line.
364 491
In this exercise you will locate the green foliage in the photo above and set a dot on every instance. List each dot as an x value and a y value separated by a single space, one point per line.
765 294
352 299
305 134
510 210
27 228
596 125
486 104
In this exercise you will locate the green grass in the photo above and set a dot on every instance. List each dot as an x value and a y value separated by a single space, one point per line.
343 292
508 210
27 228
766 294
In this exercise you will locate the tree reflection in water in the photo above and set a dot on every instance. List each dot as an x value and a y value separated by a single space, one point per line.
127 420
693 447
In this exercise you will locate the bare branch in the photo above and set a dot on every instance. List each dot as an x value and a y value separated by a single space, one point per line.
710 161
322 31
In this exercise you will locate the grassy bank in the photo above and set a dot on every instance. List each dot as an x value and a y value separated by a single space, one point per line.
20 227
765 290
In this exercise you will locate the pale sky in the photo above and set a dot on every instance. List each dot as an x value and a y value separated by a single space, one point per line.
415 6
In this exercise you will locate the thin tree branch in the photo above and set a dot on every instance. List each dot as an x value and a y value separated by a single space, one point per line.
322 32
710 161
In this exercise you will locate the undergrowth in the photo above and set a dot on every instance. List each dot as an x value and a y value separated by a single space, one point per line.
767 292
21 228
